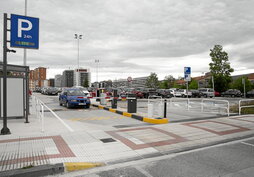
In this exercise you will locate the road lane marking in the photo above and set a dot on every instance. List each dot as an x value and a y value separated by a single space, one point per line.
66 125
247 144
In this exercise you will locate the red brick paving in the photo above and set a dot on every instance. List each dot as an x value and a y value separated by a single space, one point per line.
62 146
132 145
237 128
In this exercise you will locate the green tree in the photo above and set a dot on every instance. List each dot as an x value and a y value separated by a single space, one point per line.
170 80
193 84
164 84
237 84
152 81
220 68
86 83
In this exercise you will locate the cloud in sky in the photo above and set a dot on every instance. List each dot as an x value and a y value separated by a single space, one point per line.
136 37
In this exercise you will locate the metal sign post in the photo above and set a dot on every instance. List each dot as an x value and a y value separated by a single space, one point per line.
187 77
24 34
5 130
244 92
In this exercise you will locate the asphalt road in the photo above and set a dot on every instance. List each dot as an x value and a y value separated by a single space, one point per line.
235 159
92 116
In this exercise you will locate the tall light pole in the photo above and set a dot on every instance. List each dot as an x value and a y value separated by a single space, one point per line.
24 57
97 64
78 37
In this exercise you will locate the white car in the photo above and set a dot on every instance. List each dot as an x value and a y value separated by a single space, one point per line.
182 93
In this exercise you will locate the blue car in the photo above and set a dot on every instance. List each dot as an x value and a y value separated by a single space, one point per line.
74 98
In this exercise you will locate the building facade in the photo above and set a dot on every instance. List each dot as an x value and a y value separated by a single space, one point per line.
68 78
37 77
58 80
84 75
134 83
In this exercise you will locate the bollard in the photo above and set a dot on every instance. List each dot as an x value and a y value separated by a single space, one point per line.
114 100
165 108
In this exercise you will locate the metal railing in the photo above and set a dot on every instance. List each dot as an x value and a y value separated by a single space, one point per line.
214 101
39 110
248 106
152 101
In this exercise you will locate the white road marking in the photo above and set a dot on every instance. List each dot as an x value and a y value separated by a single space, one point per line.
144 171
66 125
247 144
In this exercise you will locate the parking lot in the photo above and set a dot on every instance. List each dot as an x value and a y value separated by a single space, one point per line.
177 109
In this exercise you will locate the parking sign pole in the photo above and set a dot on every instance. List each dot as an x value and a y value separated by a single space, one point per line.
5 130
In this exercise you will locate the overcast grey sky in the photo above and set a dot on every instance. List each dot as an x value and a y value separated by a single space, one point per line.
137 37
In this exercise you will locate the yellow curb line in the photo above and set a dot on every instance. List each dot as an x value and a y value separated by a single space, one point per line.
112 110
127 114
155 121
100 107
73 166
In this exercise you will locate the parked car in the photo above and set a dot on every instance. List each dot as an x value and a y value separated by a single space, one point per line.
217 94
150 92
250 94
196 93
164 93
74 97
232 93
173 91
207 92
44 90
182 93
51 91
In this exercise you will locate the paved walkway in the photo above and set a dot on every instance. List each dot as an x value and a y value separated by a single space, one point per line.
28 145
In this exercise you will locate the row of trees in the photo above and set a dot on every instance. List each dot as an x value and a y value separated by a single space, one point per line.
220 70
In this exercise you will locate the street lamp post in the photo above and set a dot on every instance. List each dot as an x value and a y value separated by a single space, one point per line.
78 37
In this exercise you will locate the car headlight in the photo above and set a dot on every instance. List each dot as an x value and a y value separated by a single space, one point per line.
73 100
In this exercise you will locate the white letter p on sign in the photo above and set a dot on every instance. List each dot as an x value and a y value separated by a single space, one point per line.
20 28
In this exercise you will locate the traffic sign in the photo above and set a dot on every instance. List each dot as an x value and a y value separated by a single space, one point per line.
187 73
187 70
24 32
129 79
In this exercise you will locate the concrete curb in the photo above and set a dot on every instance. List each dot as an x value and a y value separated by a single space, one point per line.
134 116
73 166
45 170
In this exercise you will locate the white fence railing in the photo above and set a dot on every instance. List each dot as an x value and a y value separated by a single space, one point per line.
248 106
214 102
198 104
39 110
153 103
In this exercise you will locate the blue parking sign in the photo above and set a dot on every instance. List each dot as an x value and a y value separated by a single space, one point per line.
187 73
187 70
24 32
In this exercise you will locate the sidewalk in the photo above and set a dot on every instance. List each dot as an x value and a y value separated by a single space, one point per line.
28 146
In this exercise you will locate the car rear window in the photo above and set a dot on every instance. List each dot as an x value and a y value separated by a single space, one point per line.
76 93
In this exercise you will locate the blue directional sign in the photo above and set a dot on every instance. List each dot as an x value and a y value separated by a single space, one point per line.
24 32
187 70
187 73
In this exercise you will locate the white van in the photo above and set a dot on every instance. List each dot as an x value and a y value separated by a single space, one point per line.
207 92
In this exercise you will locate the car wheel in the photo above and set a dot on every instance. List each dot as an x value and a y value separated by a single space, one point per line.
233 96
87 106
68 105
60 104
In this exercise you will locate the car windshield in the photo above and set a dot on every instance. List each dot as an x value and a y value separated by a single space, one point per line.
75 93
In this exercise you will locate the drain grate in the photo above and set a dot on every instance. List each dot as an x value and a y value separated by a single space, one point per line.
107 140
